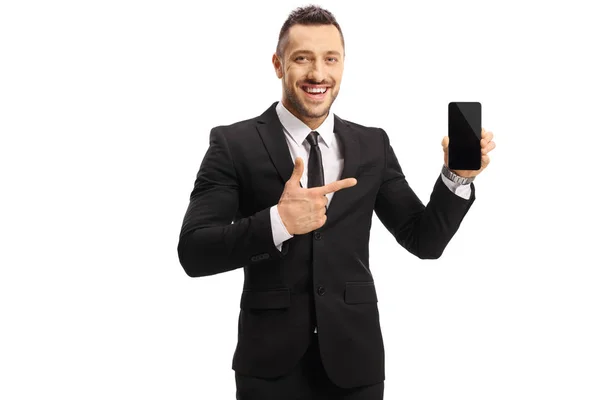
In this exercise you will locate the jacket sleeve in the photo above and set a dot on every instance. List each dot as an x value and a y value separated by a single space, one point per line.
425 231
209 243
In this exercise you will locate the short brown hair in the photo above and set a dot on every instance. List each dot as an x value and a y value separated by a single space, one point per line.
309 15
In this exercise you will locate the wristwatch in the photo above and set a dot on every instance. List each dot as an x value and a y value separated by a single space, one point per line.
455 178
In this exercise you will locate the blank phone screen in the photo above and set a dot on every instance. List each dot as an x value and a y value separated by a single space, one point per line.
464 132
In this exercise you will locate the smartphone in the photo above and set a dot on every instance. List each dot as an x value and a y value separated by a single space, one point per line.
464 132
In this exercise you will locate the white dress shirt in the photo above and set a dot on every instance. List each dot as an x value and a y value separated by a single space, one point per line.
296 132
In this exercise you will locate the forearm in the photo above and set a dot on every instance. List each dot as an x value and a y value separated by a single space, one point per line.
211 250
428 229
440 221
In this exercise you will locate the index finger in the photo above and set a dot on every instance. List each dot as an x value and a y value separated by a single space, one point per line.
486 137
335 186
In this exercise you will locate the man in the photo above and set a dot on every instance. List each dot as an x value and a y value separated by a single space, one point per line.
309 323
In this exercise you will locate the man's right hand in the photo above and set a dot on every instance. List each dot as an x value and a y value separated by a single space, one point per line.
302 210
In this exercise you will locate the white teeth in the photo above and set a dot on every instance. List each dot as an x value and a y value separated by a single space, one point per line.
315 90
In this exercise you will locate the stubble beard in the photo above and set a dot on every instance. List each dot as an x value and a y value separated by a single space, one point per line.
302 109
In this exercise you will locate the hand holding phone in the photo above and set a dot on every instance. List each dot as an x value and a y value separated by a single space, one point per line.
464 133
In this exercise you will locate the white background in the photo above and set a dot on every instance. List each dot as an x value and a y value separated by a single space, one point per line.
105 112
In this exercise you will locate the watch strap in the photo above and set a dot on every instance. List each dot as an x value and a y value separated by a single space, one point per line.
456 178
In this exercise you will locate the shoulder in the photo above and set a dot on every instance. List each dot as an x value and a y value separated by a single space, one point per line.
240 129
364 132
236 134
239 126
354 125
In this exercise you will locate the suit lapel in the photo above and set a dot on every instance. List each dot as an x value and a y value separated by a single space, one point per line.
271 132
348 137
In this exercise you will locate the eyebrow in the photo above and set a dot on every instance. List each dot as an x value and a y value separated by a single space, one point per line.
333 52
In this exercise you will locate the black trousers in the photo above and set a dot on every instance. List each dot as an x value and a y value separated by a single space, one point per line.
307 381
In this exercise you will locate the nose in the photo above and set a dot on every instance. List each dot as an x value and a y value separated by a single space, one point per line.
317 71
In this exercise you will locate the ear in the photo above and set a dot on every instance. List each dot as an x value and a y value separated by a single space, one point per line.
278 66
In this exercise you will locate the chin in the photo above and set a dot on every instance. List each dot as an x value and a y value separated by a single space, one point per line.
317 110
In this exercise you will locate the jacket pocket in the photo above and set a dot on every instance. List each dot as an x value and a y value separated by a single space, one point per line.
360 292
265 299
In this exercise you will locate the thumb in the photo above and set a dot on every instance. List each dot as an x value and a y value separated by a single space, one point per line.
298 169
445 142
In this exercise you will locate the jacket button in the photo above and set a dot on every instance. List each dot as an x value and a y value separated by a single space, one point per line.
321 290
317 235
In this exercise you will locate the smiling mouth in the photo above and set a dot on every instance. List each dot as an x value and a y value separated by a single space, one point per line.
315 90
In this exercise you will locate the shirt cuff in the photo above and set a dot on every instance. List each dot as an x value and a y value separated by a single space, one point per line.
458 189
280 234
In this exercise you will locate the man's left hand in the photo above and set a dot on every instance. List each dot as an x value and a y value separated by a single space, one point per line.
487 145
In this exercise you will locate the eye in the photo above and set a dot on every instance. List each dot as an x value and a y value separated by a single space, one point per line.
332 59
301 58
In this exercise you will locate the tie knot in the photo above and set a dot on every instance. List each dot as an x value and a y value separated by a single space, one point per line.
312 138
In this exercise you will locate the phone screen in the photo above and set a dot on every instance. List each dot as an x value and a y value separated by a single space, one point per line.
464 132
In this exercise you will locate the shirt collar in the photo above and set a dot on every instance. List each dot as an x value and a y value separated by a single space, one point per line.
298 130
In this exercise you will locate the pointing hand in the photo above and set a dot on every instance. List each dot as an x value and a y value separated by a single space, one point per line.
302 210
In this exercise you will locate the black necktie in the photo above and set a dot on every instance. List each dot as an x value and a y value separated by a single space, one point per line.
315 162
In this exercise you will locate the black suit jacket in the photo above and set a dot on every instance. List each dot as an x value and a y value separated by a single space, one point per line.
322 277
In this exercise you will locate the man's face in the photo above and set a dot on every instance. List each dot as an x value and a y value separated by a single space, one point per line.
313 62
